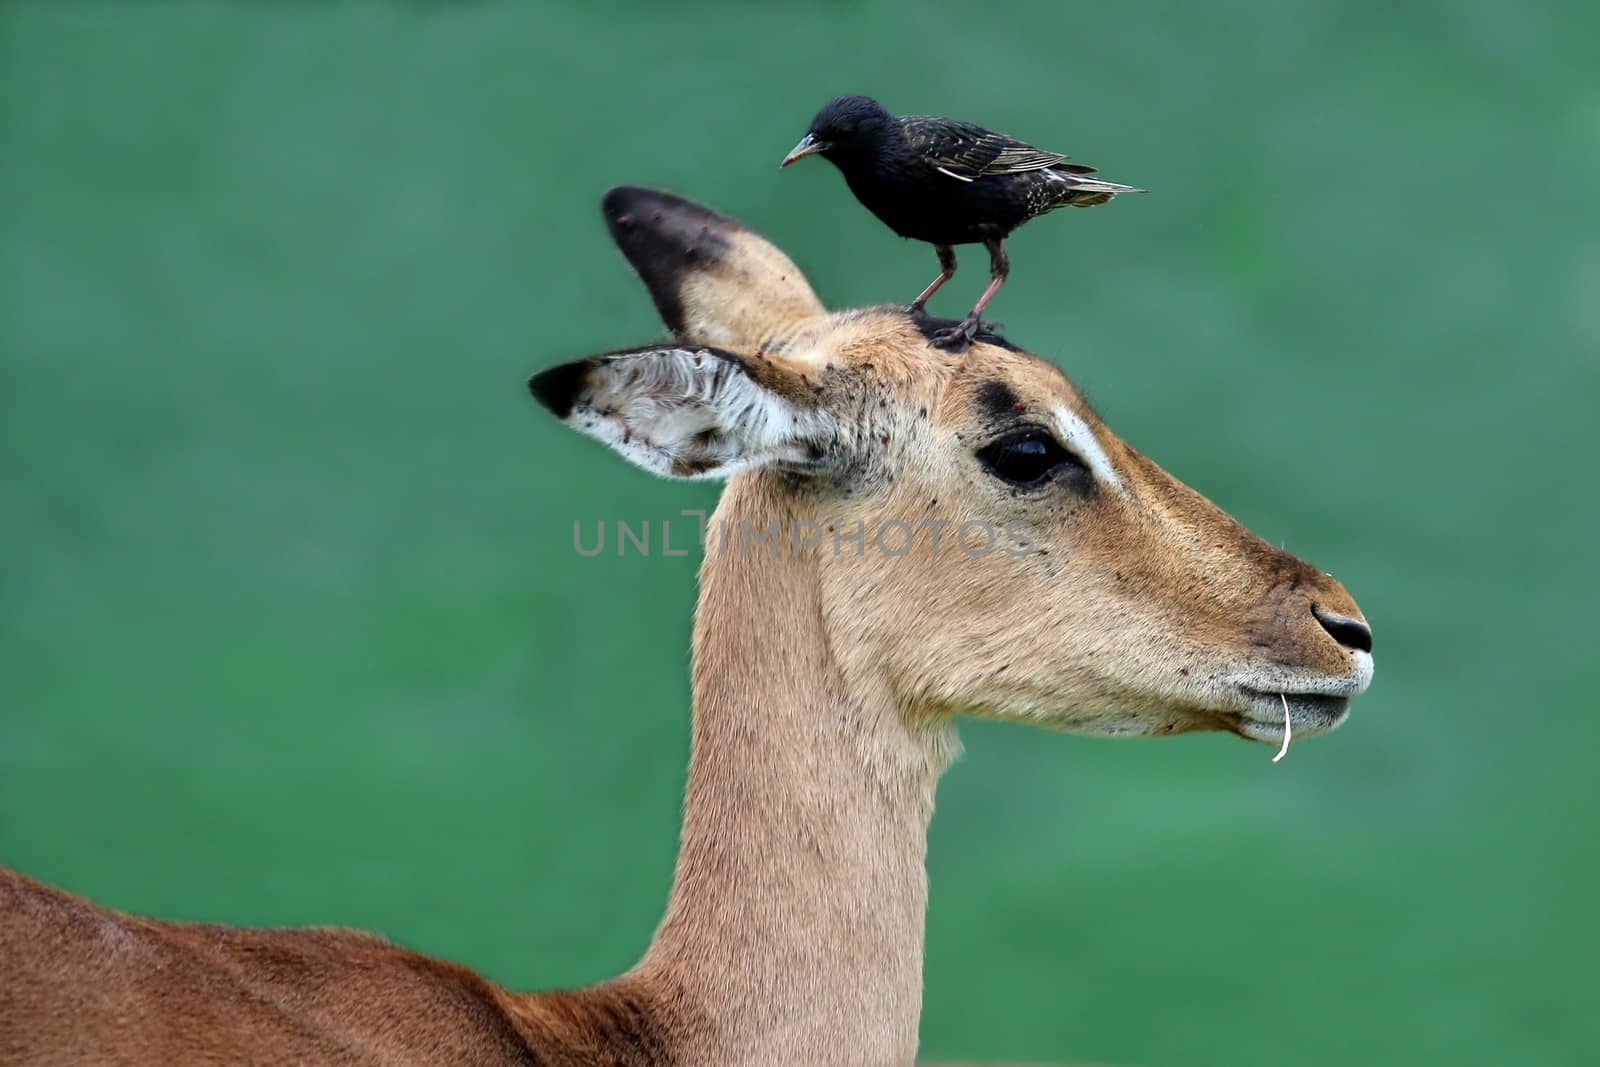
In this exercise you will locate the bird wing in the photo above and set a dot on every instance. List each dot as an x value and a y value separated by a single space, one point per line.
964 151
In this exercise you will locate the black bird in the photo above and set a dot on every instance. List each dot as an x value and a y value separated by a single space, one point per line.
948 183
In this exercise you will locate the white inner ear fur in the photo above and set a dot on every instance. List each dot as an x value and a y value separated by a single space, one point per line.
695 413
1075 433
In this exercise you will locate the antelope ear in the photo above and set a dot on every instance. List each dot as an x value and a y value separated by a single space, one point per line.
692 411
713 281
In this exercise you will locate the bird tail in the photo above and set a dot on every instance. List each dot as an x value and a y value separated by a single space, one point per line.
1083 191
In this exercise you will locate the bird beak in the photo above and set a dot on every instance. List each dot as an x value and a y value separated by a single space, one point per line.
809 145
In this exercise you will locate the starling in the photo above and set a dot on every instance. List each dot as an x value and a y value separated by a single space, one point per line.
948 183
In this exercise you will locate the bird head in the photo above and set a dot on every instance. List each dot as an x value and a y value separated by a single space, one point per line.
844 123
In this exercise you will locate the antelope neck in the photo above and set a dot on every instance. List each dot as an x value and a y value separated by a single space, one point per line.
796 917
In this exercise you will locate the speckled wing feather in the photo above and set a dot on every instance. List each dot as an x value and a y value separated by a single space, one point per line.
965 151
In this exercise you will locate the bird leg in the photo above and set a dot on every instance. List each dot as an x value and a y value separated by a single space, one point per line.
947 270
961 334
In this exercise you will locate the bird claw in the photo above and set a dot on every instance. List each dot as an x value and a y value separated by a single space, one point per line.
956 337
960 335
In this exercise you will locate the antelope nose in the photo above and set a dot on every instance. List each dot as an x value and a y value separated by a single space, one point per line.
1351 633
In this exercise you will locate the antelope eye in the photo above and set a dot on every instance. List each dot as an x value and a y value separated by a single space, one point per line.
1027 458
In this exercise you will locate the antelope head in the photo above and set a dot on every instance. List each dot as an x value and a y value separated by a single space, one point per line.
980 541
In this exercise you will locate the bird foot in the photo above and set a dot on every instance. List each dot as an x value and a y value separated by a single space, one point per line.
960 335
957 337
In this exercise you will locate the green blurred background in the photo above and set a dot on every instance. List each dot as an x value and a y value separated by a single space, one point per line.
291 629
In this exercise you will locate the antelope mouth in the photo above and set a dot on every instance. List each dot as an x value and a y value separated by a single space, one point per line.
1310 713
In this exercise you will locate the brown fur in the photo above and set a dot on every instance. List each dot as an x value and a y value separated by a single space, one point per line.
825 689
86 985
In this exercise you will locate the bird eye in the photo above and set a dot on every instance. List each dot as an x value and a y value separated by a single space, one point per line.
1027 458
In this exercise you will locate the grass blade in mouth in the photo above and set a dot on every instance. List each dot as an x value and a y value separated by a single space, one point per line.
1288 731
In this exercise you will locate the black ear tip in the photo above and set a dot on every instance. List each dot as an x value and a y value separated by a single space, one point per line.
558 387
638 216
631 209
621 200
618 199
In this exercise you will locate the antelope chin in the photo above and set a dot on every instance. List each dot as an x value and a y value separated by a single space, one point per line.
1314 703
1309 713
